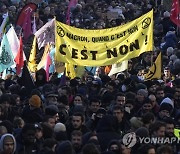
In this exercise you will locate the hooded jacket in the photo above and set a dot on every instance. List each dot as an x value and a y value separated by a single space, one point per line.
2 142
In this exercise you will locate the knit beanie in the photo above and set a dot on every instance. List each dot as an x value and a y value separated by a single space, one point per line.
167 107
142 132
167 100
143 92
166 14
35 101
59 127
51 110
170 51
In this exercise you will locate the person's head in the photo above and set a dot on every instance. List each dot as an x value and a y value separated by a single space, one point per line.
49 120
120 99
160 93
3 130
167 72
35 102
142 94
111 86
90 148
18 122
5 100
115 146
65 147
147 105
118 111
152 97
78 100
94 104
147 58
165 149
147 149
166 108
53 111
76 139
39 131
129 104
170 125
52 98
28 134
157 129
2 84
77 120
7 144
148 118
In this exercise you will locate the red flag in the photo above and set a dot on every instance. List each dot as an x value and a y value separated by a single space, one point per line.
72 3
19 58
175 13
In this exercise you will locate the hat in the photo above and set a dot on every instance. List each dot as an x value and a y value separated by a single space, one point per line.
172 29
166 14
166 106
101 111
35 101
143 92
167 100
38 126
51 110
141 86
170 51
142 132
59 127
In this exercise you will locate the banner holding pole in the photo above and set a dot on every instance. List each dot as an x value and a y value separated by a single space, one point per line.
106 46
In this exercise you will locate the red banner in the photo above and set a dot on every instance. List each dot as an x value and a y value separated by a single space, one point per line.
175 13
30 7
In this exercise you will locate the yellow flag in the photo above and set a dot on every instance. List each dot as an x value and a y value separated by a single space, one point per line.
70 72
155 69
32 58
177 133
44 57
80 70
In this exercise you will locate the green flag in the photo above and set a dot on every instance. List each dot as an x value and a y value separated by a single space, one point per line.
6 56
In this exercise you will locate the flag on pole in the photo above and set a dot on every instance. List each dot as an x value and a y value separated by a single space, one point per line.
119 67
46 34
47 65
19 58
70 72
27 29
13 40
26 80
175 12
72 3
4 23
34 27
42 63
32 58
6 56
155 69
80 70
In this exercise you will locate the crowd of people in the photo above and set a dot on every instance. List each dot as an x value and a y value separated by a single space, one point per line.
95 113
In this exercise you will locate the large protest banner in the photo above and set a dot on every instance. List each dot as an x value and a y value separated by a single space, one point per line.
106 46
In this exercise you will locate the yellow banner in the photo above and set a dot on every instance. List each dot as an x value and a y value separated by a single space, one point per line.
106 46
